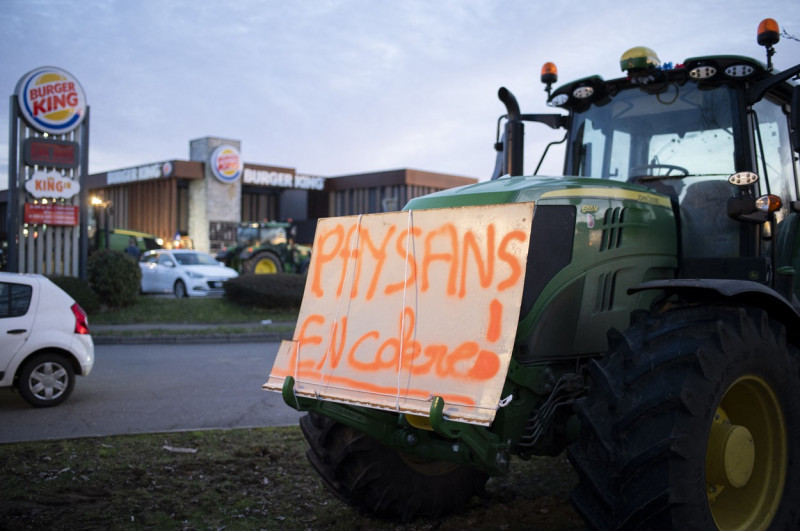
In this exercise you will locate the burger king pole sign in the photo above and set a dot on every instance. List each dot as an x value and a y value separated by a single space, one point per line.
51 100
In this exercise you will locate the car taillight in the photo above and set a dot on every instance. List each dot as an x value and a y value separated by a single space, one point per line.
81 320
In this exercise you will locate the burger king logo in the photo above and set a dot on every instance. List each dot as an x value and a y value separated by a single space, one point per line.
226 163
51 100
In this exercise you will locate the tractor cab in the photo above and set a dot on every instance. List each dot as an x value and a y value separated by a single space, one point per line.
714 134
259 234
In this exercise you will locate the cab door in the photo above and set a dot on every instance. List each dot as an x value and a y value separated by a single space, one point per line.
777 169
17 310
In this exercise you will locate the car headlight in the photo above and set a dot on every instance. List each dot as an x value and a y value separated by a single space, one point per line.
192 274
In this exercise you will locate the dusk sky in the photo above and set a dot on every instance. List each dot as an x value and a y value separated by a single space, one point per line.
334 87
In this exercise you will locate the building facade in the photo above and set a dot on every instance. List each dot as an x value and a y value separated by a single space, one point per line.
204 198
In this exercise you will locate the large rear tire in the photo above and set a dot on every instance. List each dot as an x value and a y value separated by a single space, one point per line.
382 482
692 422
263 263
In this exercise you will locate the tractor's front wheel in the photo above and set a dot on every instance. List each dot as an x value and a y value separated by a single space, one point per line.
382 482
692 422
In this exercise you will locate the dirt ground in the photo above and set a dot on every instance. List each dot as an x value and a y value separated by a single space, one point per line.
240 479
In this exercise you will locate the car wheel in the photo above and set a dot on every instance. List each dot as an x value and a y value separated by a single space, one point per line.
179 289
46 380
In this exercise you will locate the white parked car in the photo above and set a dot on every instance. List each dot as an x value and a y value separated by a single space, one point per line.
183 273
44 339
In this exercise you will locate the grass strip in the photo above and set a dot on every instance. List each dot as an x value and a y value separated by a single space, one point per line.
149 309
234 479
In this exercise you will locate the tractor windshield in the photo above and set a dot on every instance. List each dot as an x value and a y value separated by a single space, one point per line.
679 142
682 131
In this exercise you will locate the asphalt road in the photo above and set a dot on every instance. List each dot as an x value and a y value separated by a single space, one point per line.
157 388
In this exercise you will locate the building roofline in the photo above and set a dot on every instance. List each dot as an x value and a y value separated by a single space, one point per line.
402 176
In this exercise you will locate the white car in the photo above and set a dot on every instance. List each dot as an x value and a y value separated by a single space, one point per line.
44 339
183 273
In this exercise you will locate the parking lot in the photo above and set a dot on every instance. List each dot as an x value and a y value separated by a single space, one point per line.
157 388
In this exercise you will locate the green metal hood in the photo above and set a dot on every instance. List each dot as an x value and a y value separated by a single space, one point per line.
513 190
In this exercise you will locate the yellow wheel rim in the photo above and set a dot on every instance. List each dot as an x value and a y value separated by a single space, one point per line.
747 456
265 267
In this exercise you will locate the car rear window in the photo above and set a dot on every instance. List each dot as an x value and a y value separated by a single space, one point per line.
14 299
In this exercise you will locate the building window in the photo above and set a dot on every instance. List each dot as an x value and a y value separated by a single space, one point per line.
183 207
261 205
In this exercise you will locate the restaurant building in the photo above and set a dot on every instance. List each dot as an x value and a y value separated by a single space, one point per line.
206 197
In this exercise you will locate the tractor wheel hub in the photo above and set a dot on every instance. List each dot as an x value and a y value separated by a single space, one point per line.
731 453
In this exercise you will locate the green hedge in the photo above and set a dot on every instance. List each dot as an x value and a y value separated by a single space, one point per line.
115 277
284 291
80 291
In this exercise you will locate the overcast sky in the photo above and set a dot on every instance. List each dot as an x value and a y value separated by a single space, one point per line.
334 87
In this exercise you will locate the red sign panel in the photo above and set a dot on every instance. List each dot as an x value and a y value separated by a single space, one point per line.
51 214
49 153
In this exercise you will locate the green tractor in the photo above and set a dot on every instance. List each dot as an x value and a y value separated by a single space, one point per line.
658 328
265 248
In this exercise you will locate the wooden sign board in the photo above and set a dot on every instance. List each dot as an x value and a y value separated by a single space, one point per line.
404 306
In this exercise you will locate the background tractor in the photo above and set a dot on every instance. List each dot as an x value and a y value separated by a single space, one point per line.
658 330
265 248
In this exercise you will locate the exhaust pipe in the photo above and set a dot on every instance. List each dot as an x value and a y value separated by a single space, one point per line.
514 137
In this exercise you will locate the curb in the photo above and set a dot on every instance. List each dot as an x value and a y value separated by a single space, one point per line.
189 333
183 339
